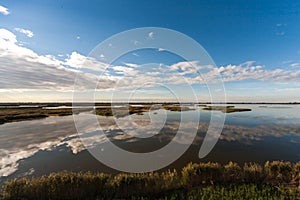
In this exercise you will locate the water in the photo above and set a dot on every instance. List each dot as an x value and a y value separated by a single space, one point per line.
38 147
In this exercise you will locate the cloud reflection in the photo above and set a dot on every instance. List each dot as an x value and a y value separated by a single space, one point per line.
21 140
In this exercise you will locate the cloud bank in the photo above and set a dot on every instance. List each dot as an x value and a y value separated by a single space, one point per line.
24 69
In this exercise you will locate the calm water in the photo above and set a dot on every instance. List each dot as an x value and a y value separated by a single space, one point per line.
37 147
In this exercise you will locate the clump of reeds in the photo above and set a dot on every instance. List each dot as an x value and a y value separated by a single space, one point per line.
231 180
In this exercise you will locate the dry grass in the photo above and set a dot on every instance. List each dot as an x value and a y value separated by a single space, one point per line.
226 109
252 180
21 114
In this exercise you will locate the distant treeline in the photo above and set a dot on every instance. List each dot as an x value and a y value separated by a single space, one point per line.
274 180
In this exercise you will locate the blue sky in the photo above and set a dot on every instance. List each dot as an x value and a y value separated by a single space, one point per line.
233 33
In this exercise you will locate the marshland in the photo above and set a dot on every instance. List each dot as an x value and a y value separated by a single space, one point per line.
256 156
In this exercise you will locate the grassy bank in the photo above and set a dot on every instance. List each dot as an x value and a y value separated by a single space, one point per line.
279 180
226 109
22 114
8 114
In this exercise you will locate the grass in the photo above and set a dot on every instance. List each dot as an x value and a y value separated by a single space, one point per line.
226 109
129 110
274 180
122 111
30 113
21 114
176 108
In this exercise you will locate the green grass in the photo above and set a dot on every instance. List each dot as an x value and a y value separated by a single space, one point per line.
274 180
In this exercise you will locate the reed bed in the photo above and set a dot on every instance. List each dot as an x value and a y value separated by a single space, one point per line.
274 180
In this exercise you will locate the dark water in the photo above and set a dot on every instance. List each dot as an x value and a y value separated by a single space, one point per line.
38 147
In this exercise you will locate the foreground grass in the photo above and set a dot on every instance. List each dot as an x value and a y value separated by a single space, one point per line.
274 180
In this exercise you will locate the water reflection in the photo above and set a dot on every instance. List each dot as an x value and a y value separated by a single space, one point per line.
251 131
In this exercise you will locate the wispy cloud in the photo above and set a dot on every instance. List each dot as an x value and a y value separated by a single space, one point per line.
131 65
136 42
128 71
28 33
280 29
295 65
4 10
281 33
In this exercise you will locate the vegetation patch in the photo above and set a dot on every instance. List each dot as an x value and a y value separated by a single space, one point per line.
27 113
275 180
177 108
226 109
122 111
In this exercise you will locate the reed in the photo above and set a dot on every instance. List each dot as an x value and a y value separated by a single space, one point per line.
276 179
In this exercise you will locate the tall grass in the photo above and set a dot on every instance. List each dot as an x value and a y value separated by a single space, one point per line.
195 181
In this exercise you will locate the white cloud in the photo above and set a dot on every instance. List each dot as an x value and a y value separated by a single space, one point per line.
28 33
161 49
151 35
4 10
79 61
135 42
77 37
256 72
186 68
131 65
8 36
22 68
129 71
295 65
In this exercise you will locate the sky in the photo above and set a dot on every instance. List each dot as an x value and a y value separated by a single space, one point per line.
45 46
